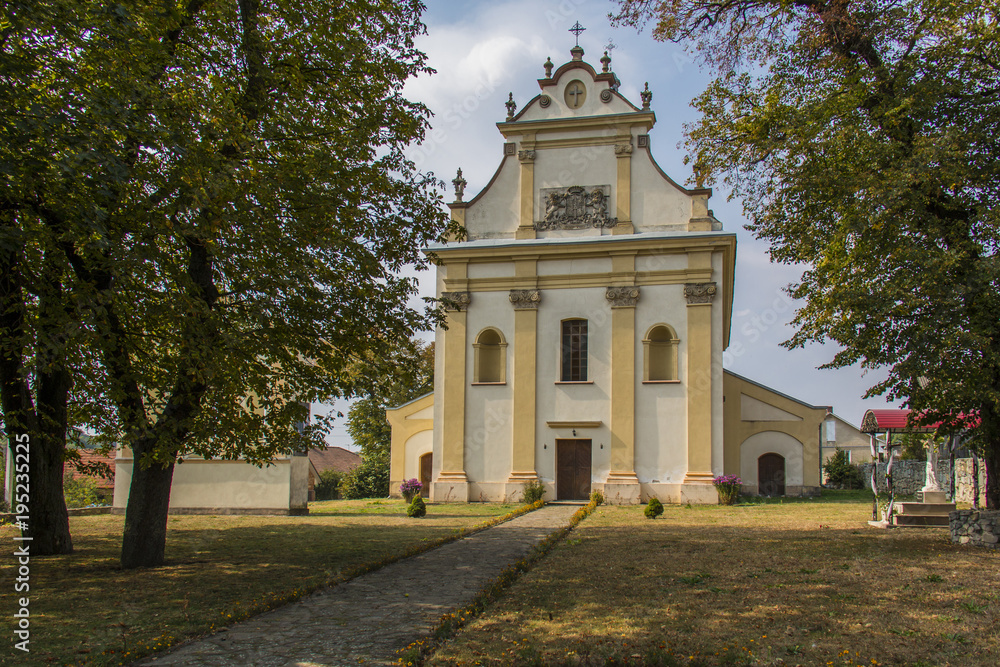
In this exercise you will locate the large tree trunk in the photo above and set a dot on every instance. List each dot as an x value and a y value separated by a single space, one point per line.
48 519
989 426
144 541
45 429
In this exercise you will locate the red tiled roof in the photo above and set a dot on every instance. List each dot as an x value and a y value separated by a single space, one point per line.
334 458
879 421
89 456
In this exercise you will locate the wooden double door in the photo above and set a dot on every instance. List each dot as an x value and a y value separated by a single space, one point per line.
573 469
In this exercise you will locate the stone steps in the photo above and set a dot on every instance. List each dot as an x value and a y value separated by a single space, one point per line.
922 515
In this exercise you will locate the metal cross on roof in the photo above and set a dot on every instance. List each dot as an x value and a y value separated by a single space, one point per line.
576 30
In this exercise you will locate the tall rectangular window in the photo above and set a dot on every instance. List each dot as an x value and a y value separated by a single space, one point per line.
574 351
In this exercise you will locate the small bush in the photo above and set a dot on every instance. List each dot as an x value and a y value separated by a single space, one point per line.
597 498
328 486
533 491
841 473
728 487
417 508
654 508
80 492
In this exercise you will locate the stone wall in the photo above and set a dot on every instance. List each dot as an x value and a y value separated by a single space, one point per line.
907 476
976 527
963 482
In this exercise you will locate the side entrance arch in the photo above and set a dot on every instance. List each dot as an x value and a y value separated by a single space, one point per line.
771 474
771 464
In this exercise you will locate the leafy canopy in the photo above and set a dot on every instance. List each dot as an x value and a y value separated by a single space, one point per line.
862 139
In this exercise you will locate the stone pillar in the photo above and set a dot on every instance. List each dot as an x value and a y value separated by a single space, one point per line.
525 302
622 485
699 392
451 483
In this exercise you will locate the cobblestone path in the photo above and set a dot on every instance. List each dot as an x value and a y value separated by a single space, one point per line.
366 620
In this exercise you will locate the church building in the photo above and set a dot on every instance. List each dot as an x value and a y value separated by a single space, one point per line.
588 308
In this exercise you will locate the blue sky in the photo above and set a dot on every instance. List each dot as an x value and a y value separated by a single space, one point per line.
483 51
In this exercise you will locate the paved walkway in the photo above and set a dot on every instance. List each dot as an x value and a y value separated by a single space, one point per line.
366 620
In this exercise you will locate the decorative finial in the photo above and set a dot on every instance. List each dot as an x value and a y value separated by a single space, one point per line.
576 30
548 68
460 184
647 96
606 62
511 107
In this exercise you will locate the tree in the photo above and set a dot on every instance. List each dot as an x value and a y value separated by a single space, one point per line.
840 472
407 374
862 138
205 208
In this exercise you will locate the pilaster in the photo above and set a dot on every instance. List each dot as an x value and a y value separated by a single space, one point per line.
451 483
622 484
526 156
699 381
525 303
623 199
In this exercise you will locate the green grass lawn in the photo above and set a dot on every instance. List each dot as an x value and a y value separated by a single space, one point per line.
217 567
782 582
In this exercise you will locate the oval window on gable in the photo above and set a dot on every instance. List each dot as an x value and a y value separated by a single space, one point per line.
491 357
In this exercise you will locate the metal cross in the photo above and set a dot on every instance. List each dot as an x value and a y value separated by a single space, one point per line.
576 30
576 92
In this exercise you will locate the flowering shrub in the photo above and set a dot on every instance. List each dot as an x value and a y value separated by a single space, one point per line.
410 488
728 487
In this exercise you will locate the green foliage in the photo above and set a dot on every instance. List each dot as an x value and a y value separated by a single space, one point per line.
841 473
861 139
368 480
328 486
80 491
912 446
207 233
534 491
654 508
597 498
417 508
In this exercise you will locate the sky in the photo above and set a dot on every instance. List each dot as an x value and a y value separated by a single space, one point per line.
482 51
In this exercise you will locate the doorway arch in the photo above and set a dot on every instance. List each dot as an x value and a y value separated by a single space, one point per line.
771 474
426 466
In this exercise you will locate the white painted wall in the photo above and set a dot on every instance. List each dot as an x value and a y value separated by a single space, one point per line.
201 484
488 407
661 409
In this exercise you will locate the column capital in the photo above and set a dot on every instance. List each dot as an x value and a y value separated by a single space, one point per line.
456 300
622 297
525 299
698 293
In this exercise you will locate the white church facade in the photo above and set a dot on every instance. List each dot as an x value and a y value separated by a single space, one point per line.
588 308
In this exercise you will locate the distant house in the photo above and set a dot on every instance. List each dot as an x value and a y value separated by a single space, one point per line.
330 458
105 483
839 433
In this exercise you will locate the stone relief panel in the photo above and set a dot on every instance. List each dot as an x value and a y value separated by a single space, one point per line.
576 207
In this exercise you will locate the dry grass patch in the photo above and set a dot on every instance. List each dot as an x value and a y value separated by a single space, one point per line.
804 583
218 567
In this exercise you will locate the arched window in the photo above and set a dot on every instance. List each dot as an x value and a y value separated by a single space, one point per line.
660 352
574 351
491 357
